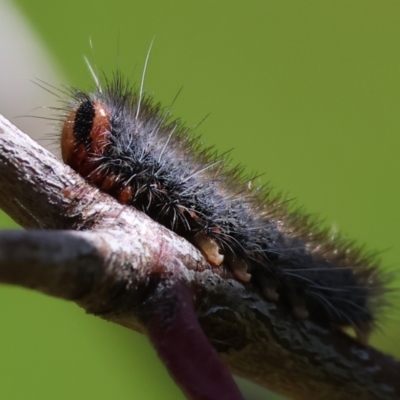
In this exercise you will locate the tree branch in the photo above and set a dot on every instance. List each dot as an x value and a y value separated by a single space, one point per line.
117 263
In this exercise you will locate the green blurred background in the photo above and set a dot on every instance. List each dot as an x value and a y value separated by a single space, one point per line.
307 92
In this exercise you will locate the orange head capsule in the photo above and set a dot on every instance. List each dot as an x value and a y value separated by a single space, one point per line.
85 136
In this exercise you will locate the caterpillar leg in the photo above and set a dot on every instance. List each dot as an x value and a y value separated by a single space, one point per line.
239 267
362 332
268 287
209 248
274 292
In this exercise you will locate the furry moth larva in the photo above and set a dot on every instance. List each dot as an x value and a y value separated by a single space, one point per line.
127 145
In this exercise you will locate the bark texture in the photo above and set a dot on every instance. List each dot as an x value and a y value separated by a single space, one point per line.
118 264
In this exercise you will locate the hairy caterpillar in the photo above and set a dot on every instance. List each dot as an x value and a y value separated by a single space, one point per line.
127 145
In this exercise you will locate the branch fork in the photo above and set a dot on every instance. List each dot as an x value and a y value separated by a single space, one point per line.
115 262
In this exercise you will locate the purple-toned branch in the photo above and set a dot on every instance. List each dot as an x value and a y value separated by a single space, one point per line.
118 264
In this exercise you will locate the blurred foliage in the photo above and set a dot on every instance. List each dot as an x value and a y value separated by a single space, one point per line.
305 91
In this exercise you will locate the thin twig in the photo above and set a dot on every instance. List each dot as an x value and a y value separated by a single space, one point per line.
110 259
